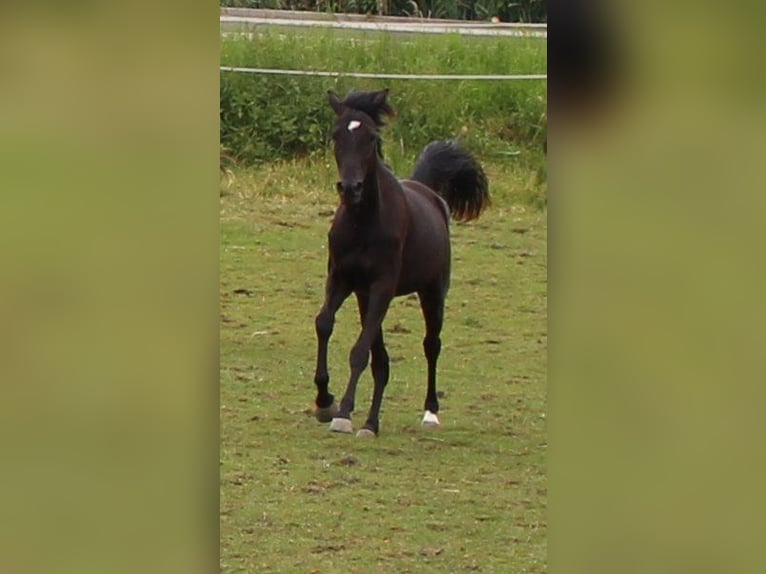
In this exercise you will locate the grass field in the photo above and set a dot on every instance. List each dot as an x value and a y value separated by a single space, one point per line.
297 498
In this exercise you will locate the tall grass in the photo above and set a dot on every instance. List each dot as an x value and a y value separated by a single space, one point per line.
265 117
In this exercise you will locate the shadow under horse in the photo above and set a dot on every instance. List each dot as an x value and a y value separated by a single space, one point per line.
389 237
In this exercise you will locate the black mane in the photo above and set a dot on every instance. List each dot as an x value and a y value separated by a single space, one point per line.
373 104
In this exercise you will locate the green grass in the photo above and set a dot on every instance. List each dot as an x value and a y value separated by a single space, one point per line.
360 51
297 498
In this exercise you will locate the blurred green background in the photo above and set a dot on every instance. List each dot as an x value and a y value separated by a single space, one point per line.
109 189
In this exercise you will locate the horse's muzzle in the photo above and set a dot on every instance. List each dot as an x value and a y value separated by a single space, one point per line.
351 192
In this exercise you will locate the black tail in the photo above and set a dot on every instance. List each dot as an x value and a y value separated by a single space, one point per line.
454 174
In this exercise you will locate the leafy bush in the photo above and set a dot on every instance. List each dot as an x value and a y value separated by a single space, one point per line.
268 117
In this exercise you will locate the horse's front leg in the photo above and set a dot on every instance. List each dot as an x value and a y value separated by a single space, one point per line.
380 296
379 363
336 291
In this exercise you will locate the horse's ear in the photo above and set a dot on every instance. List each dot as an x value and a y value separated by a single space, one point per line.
380 97
380 100
335 102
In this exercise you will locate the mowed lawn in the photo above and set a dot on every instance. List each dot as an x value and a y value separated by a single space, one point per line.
294 497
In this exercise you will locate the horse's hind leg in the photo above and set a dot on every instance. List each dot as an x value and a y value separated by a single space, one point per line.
335 293
432 304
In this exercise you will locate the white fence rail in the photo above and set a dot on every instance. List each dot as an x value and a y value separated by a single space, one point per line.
275 71
234 20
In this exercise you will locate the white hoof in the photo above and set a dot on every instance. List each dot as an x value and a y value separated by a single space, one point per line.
430 420
365 433
341 425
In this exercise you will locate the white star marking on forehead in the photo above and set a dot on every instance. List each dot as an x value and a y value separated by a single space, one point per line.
353 124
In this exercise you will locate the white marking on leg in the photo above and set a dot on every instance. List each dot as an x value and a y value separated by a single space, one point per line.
353 124
365 433
341 425
430 420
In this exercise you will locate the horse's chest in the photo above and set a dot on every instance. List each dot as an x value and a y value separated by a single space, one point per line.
361 260
355 258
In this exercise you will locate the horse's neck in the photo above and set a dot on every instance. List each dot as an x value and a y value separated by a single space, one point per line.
385 181
377 193
371 193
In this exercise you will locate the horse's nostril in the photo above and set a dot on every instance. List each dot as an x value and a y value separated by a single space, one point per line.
354 187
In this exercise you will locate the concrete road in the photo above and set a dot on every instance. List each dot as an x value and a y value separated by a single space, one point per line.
239 20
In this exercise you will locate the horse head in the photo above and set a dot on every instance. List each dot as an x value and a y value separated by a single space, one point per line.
356 139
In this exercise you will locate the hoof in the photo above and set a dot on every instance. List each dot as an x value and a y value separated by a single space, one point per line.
341 425
326 414
430 420
366 433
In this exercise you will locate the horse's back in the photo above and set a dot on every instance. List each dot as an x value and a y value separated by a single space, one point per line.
419 196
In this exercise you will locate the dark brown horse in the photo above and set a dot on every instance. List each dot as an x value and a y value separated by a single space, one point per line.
389 237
